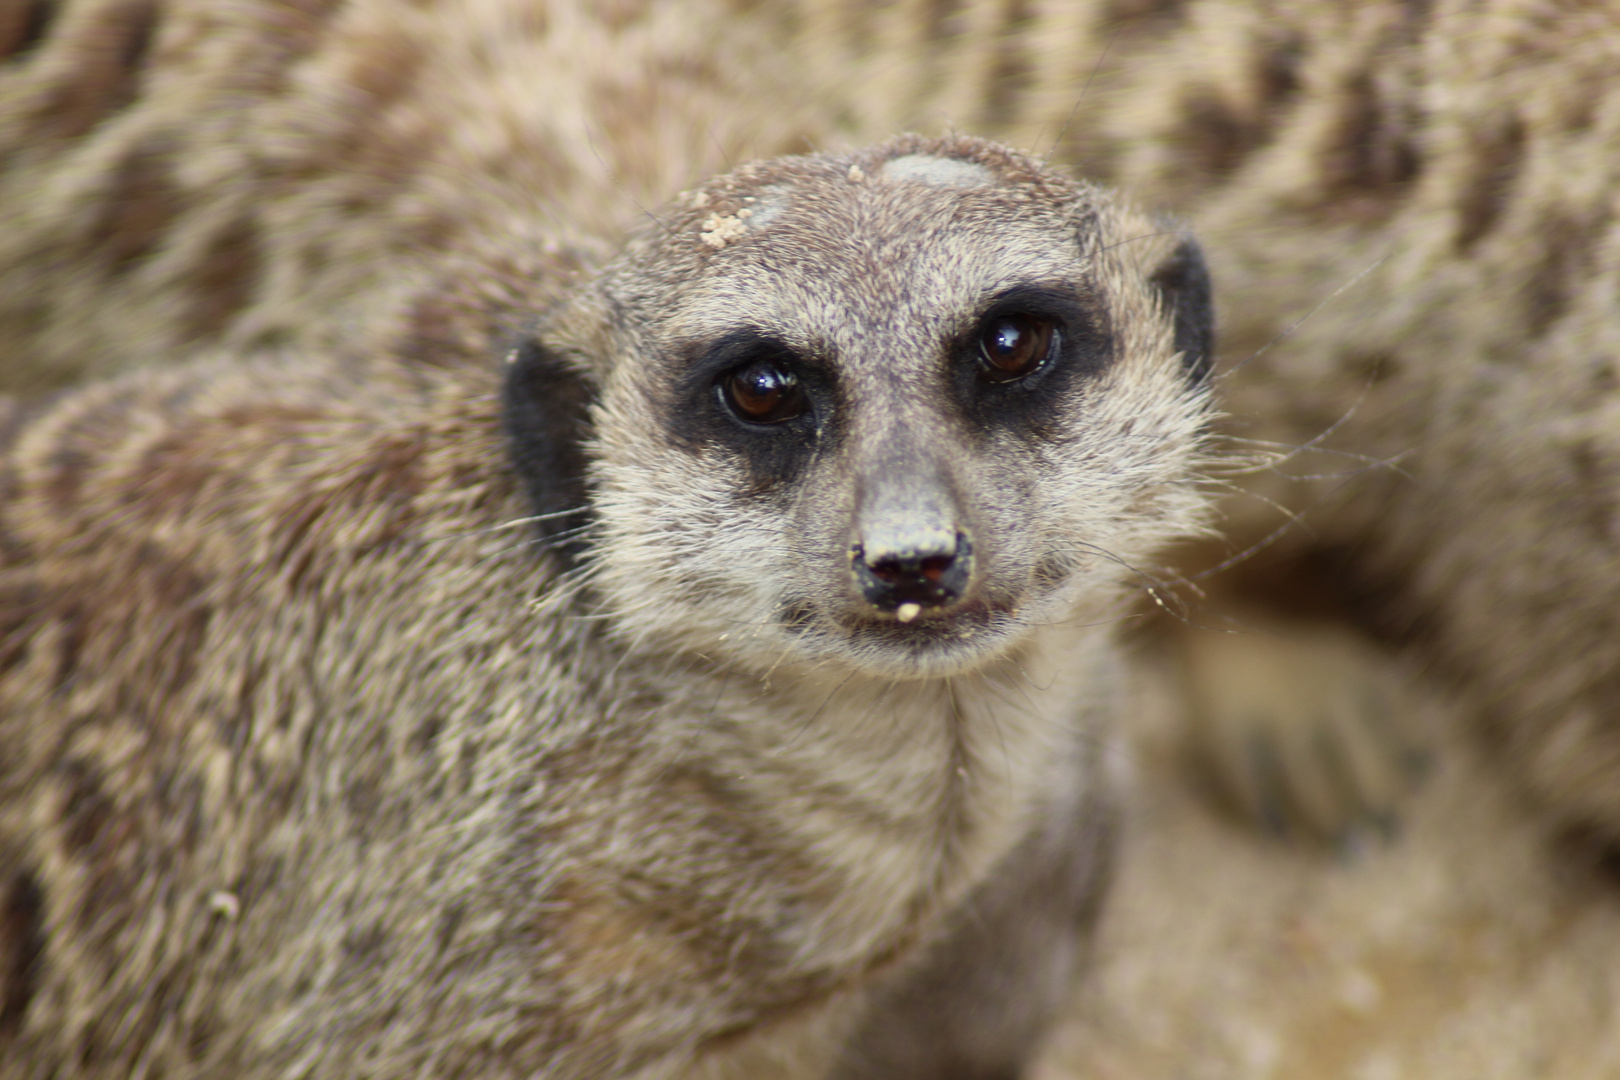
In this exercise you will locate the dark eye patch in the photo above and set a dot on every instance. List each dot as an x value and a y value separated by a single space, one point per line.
752 394
1016 364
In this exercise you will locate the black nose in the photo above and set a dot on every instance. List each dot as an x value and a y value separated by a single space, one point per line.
927 578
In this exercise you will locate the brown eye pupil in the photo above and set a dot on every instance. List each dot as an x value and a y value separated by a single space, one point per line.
764 393
1014 346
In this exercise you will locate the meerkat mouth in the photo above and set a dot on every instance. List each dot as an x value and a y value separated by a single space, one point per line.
938 644
958 636
917 618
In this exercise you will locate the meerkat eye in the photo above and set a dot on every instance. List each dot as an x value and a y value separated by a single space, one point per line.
763 392
1013 346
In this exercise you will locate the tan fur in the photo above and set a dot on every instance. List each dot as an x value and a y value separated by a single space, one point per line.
320 765
1469 148
181 175
1428 188
1412 216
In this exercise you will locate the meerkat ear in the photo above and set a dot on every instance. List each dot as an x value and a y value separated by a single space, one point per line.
546 413
1183 281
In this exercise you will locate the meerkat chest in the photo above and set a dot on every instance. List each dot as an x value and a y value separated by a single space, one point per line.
901 796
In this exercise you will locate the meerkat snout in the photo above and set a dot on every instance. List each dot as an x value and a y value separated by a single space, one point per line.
909 551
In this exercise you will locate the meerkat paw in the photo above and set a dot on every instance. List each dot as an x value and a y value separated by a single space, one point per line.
1300 728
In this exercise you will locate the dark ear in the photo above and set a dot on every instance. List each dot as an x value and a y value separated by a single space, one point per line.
546 410
1183 282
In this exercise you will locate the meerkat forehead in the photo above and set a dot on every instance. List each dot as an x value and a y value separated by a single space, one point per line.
910 235
760 210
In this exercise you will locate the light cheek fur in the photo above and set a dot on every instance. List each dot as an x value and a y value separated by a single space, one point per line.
1126 466
698 565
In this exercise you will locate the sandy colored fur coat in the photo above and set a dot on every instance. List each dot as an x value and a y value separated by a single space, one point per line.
1459 155
1428 187
321 765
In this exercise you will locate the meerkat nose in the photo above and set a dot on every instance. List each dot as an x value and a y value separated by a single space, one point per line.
905 580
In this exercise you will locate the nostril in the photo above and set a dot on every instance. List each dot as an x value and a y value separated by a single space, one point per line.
900 568
889 571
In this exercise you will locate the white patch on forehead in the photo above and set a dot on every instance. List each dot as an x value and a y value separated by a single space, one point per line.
941 172
767 206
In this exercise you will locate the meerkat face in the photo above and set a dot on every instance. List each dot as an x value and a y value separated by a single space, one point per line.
895 411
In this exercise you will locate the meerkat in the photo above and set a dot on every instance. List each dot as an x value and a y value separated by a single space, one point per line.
176 179
284 178
697 665
1412 206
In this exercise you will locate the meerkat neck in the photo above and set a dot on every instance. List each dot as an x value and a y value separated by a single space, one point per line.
906 790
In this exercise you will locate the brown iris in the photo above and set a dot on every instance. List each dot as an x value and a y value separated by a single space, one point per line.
1013 346
764 392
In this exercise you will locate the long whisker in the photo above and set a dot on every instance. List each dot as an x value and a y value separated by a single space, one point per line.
1295 325
515 523
590 140
1057 140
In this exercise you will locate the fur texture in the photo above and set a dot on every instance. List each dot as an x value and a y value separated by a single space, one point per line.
323 765
178 176
1429 187
1412 208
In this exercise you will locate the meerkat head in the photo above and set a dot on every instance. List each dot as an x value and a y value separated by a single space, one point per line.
896 410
